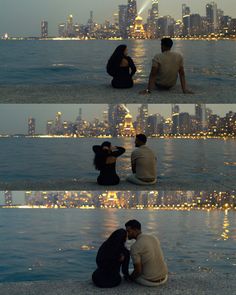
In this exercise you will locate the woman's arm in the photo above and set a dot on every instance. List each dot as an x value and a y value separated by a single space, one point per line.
132 66
118 151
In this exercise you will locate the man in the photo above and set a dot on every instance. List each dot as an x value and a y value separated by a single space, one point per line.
150 268
165 69
143 163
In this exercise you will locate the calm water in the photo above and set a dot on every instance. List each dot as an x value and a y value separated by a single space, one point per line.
62 244
80 62
180 161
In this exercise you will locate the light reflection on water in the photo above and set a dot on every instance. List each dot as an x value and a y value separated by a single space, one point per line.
63 243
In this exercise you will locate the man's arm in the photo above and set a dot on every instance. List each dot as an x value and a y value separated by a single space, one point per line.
136 272
151 80
183 81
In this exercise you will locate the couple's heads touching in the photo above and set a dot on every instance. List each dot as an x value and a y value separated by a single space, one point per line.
113 257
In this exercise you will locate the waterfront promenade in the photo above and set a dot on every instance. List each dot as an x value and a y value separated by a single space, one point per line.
104 93
185 284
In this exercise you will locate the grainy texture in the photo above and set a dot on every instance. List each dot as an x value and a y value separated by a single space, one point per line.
187 284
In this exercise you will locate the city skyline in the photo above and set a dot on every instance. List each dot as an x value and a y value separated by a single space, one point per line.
120 199
29 14
21 114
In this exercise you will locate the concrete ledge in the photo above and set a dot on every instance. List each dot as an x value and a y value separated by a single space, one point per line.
184 284
212 93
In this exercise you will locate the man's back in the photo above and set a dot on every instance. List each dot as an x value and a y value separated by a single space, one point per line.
147 250
144 161
168 64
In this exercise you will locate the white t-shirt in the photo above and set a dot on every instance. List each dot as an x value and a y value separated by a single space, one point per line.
145 163
169 64
147 251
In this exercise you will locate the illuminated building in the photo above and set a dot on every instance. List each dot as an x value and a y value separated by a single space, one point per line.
8 198
200 114
31 126
195 25
131 15
116 117
44 29
184 123
186 19
138 31
70 27
123 21
127 128
91 24
154 15
211 14
154 125
175 118
142 119
62 30
49 128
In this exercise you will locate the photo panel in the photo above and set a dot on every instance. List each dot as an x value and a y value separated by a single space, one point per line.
52 146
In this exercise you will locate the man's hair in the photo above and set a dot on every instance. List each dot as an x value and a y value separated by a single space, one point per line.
134 224
167 42
142 137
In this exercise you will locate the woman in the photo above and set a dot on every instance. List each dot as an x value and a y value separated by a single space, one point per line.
105 162
112 256
119 66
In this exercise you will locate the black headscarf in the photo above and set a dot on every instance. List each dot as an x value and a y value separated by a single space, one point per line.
101 155
112 248
115 60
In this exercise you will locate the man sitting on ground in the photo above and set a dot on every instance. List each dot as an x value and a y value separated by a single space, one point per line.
143 163
166 67
150 268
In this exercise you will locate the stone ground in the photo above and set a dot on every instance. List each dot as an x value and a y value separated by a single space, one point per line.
178 284
212 93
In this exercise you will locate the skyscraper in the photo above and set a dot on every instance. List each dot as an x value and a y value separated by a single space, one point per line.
175 118
142 119
123 21
200 114
154 15
131 15
70 27
44 29
116 117
31 126
211 14
186 19
8 198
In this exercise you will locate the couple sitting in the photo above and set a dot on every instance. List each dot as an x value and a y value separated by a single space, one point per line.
150 268
164 73
143 162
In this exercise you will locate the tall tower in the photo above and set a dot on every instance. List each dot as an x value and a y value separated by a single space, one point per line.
200 114
211 15
127 128
31 126
186 19
58 123
8 198
154 15
70 26
131 14
44 29
143 116
123 21
175 118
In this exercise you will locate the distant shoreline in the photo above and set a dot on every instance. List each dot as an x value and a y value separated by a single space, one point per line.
233 38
